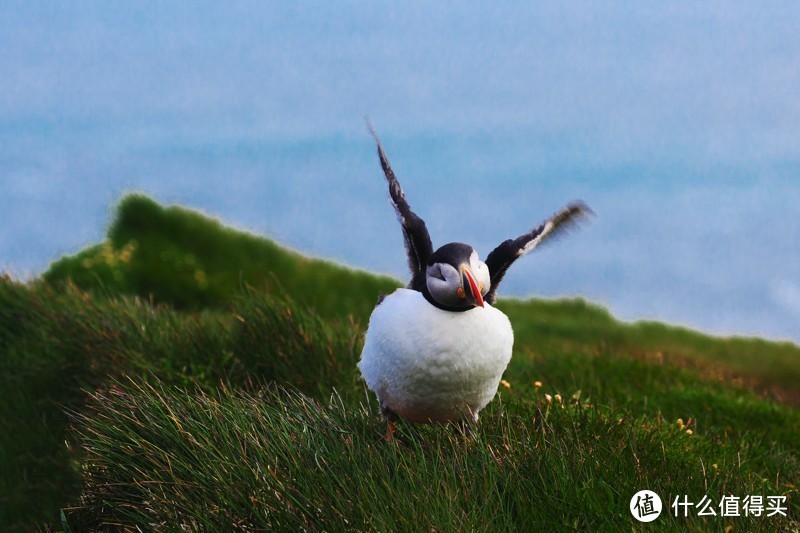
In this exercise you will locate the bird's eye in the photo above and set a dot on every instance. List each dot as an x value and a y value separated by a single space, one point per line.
436 272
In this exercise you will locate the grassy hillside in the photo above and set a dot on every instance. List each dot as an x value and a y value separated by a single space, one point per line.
236 403
772 368
180 257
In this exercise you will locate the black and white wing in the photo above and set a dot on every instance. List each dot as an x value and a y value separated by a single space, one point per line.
417 240
509 251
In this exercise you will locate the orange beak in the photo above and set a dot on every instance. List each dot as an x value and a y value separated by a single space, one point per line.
468 281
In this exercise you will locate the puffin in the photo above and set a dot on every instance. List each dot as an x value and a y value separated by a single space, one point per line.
435 351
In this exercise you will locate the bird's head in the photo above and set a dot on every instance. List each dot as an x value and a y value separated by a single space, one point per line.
456 278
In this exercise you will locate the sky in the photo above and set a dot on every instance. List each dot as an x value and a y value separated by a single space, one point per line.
678 124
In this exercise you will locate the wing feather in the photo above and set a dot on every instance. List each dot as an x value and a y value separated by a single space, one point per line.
415 233
502 257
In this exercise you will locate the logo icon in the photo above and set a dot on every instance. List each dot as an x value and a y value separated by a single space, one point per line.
645 506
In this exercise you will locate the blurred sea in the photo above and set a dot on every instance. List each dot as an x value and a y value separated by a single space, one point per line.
254 114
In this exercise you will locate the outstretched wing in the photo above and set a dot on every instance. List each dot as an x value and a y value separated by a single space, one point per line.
509 251
417 239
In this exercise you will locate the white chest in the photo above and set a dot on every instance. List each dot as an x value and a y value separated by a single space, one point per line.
427 364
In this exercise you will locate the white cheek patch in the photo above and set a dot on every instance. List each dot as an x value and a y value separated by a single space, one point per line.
481 273
450 274
435 271
483 278
444 290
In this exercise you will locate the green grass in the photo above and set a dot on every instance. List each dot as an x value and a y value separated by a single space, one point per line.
160 456
177 256
237 403
55 344
770 367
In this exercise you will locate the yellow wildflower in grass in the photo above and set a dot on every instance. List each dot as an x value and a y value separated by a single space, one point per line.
557 398
200 278
127 251
505 383
108 254
689 431
537 384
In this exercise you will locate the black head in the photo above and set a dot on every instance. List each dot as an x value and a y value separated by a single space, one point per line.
455 278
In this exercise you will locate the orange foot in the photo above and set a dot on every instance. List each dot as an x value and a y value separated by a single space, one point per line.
390 431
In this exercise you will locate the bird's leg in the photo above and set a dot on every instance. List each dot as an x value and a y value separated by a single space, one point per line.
390 417
465 426
468 424
390 431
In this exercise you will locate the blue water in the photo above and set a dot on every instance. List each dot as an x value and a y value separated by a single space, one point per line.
681 137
